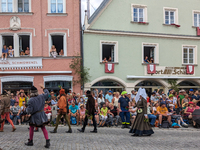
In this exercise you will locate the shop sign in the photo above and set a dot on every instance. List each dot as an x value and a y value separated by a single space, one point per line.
109 68
171 70
21 63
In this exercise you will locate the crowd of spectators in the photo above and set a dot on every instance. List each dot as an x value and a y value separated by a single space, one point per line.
175 108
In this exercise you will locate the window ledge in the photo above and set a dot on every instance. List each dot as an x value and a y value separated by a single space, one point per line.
110 62
189 64
175 25
194 27
144 23
57 14
150 63
16 13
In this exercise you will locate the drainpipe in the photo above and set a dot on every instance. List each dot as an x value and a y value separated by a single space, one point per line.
81 37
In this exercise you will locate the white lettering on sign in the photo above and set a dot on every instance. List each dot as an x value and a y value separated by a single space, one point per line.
13 63
171 70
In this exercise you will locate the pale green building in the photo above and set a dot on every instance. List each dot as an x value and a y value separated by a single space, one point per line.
165 31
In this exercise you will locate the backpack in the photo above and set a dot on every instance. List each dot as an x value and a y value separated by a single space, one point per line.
73 120
165 124
175 125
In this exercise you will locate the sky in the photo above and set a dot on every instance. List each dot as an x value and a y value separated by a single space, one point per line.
94 4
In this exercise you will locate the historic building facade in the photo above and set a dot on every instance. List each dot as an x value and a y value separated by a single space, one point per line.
148 43
31 27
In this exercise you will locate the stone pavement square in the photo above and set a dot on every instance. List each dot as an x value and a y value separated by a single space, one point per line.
106 139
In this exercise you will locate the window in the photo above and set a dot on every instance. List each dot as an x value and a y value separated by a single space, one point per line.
24 45
197 19
138 14
57 40
169 17
57 6
150 53
23 5
7 5
188 55
109 50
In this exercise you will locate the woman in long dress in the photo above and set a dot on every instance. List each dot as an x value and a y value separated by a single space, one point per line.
141 124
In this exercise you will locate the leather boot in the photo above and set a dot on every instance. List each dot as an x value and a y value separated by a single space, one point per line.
13 130
47 143
29 143
80 130
94 131
69 131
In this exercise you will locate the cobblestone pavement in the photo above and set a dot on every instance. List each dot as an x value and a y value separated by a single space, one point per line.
105 139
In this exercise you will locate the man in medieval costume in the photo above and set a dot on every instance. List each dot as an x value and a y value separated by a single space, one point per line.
5 110
62 104
89 114
38 117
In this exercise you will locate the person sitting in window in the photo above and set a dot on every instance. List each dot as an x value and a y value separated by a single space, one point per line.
10 51
27 51
110 59
151 60
4 52
61 53
146 60
104 60
53 51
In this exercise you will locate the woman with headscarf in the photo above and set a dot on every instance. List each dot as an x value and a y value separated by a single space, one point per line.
38 117
141 125
90 111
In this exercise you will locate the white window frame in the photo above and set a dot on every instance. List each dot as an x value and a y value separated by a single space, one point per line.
64 41
198 18
115 49
194 47
144 7
49 7
7 7
175 10
156 51
23 6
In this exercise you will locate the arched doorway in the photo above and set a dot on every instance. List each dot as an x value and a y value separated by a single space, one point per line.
187 85
150 86
106 85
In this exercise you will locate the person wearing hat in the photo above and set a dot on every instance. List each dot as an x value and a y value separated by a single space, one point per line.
163 113
173 114
191 93
180 98
5 110
109 97
90 113
35 108
62 104
141 125
123 105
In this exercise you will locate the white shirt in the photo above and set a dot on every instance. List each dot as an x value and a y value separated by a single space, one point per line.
101 100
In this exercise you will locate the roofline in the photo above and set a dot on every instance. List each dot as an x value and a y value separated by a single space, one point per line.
98 11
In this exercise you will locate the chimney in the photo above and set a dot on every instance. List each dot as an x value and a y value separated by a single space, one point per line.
88 9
